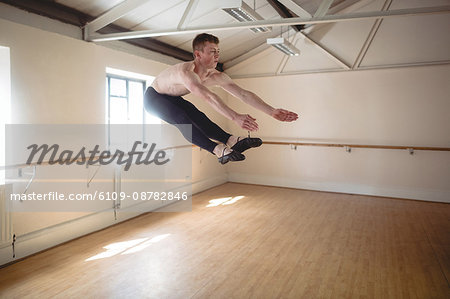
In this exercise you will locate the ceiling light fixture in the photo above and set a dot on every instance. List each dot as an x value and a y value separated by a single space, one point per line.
245 13
284 46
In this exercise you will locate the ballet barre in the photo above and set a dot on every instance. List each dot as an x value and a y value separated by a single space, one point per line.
348 147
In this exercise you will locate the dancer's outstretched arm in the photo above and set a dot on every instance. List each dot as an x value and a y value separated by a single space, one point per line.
224 81
193 83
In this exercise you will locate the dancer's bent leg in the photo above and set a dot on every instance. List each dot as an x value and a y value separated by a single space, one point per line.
177 111
167 108
211 129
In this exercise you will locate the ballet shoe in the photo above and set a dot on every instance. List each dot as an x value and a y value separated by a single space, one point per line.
246 143
233 156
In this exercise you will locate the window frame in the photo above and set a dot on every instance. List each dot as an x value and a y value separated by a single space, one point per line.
127 97
127 80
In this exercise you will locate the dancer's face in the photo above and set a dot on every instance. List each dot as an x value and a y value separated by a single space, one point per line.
209 56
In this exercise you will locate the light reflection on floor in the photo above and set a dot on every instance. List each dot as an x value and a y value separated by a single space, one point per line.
127 247
224 201
136 245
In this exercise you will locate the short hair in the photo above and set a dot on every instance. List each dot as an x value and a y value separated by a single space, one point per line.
199 41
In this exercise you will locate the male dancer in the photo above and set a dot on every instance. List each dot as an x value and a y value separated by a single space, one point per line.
164 99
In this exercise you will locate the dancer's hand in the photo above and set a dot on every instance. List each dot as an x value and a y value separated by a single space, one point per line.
246 122
284 115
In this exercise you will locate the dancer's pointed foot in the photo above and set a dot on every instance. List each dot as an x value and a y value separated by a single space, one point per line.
225 154
246 143
233 156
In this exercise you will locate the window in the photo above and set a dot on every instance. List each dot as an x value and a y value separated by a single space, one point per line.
125 104
125 98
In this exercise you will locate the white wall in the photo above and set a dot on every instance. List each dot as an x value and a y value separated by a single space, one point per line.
402 106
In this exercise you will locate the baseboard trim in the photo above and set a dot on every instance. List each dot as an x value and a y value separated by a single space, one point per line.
208 183
414 194
6 254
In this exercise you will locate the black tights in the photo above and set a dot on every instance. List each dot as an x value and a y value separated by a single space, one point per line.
178 111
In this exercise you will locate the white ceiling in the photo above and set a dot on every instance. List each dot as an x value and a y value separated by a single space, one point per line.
368 43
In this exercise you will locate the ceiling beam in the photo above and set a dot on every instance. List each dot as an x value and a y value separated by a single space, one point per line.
56 11
326 52
375 67
295 8
323 8
370 37
113 14
342 6
151 44
52 10
283 22
347 6
284 12
188 12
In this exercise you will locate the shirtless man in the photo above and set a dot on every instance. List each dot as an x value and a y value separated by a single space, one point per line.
164 99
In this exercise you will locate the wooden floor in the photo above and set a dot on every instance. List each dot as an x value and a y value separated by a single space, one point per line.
270 243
